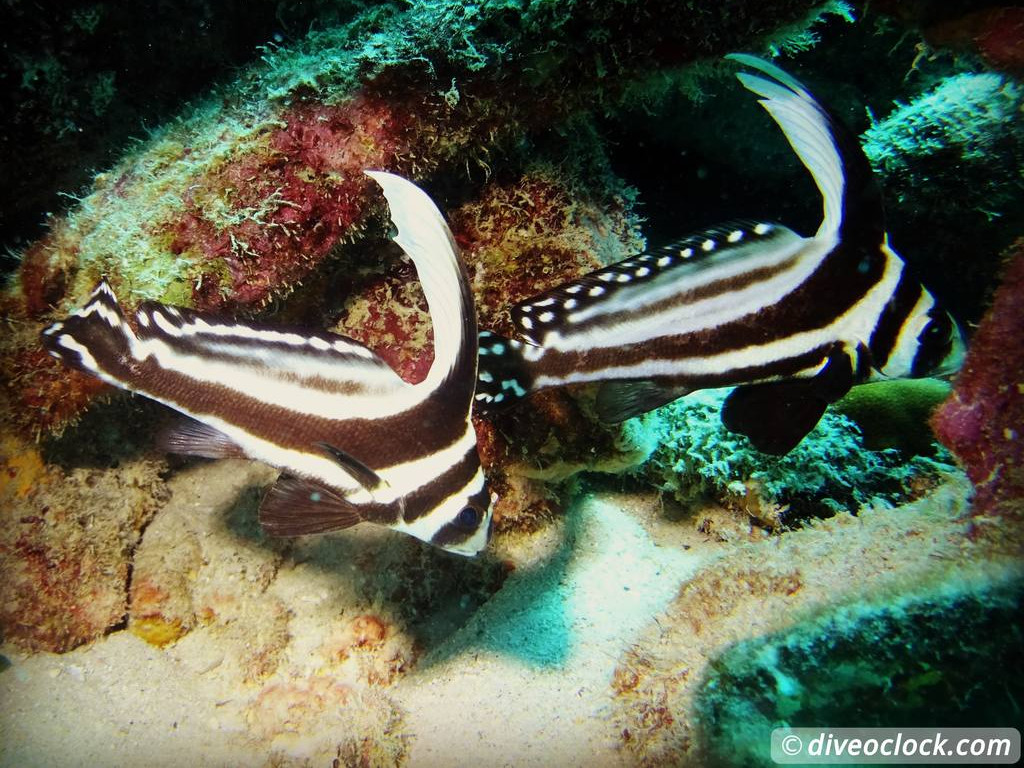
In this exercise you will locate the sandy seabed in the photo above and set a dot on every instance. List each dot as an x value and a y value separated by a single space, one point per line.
591 652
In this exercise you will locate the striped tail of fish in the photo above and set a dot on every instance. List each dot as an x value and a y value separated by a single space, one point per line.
95 339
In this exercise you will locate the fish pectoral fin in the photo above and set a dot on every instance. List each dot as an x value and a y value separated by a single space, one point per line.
621 400
366 477
193 438
778 415
775 417
295 507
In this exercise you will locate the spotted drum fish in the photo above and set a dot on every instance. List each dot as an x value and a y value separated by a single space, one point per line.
793 322
356 442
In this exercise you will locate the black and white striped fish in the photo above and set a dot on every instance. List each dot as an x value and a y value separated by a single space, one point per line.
355 441
793 322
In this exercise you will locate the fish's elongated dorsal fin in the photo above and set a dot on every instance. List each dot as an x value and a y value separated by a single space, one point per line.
426 238
851 198
296 506
503 374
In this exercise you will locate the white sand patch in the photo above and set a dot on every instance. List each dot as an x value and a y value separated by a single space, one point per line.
527 681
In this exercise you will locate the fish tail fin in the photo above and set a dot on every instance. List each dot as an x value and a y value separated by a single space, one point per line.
96 338
504 372
851 199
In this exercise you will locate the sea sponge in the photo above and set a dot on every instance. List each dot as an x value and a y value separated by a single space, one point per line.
895 413
983 419
933 658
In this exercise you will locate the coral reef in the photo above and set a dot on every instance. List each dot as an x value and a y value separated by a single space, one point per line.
972 117
929 660
995 33
66 543
895 413
73 77
982 421
962 140
919 554
697 458
248 194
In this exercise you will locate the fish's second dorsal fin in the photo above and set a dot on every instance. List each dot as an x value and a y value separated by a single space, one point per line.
648 277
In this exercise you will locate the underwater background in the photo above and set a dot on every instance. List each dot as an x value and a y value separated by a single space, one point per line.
656 592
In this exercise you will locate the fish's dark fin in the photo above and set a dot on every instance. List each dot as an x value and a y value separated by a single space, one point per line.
852 199
776 416
96 339
504 375
365 476
193 438
295 507
621 400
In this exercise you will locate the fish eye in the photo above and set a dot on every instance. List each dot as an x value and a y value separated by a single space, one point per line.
468 518
936 330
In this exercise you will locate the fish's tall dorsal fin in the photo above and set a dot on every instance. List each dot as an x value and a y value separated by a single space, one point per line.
851 199
426 238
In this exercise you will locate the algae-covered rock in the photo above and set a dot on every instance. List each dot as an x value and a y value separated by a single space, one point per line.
66 542
930 661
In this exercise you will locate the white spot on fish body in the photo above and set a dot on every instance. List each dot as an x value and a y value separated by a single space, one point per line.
762 229
664 261
547 317
570 304
597 290
708 245
735 236
574 289
642 272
